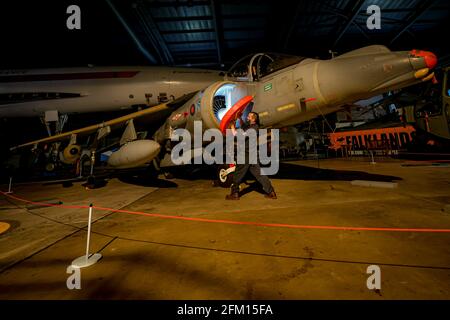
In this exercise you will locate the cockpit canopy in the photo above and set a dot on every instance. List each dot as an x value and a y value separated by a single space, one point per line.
256 66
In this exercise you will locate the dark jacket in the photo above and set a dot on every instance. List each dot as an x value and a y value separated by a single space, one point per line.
246 127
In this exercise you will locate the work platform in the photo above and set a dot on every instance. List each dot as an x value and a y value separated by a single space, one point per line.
180 239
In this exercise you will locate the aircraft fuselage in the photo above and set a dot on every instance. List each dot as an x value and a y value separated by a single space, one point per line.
27 93
301 90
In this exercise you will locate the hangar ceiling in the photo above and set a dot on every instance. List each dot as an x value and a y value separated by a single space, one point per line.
214 33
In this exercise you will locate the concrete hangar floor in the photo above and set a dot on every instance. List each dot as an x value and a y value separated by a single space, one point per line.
271 249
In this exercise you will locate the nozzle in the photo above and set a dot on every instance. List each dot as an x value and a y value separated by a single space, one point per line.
429 57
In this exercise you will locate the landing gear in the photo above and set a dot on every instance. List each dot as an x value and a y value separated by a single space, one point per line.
225 175
94 182
51 117
157 169
50 167
168 175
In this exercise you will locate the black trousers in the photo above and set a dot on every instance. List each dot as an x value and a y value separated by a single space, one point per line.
255 170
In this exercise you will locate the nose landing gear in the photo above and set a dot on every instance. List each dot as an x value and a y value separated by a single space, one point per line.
224 175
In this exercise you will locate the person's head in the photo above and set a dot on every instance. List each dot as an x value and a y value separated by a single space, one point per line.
253 118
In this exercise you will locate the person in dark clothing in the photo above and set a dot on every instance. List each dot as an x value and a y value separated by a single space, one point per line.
242 169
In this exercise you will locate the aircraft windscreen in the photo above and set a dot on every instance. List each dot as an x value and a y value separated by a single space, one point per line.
240 69
272 62
254 67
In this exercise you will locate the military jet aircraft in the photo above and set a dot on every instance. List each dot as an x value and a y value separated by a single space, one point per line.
53 94
286 90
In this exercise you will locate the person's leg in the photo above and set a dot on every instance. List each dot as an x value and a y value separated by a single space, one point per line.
238 176
255 170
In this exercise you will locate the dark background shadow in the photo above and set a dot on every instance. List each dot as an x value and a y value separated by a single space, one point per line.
299 172
289 171
145 181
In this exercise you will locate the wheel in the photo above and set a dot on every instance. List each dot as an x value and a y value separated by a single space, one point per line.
224 179
50 167
155 163
85 165
94 182
168 175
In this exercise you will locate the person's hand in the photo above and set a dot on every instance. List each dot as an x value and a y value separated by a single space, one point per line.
233 128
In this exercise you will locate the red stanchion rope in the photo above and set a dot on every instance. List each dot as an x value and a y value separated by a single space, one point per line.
248 223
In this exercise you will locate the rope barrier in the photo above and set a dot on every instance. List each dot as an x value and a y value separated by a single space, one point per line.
248 223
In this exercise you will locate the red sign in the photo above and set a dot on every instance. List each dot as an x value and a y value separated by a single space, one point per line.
395 137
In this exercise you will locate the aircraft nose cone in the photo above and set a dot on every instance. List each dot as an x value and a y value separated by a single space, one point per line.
429 57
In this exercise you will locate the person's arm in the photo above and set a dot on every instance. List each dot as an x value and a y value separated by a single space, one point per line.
233 129
245 126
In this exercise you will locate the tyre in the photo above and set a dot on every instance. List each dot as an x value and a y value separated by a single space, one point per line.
168 175
50 167
224 180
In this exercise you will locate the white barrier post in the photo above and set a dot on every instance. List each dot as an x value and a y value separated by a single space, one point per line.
92 161
373 160
10 185
86 260
80 164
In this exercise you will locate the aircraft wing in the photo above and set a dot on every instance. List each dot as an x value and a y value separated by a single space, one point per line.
112 124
